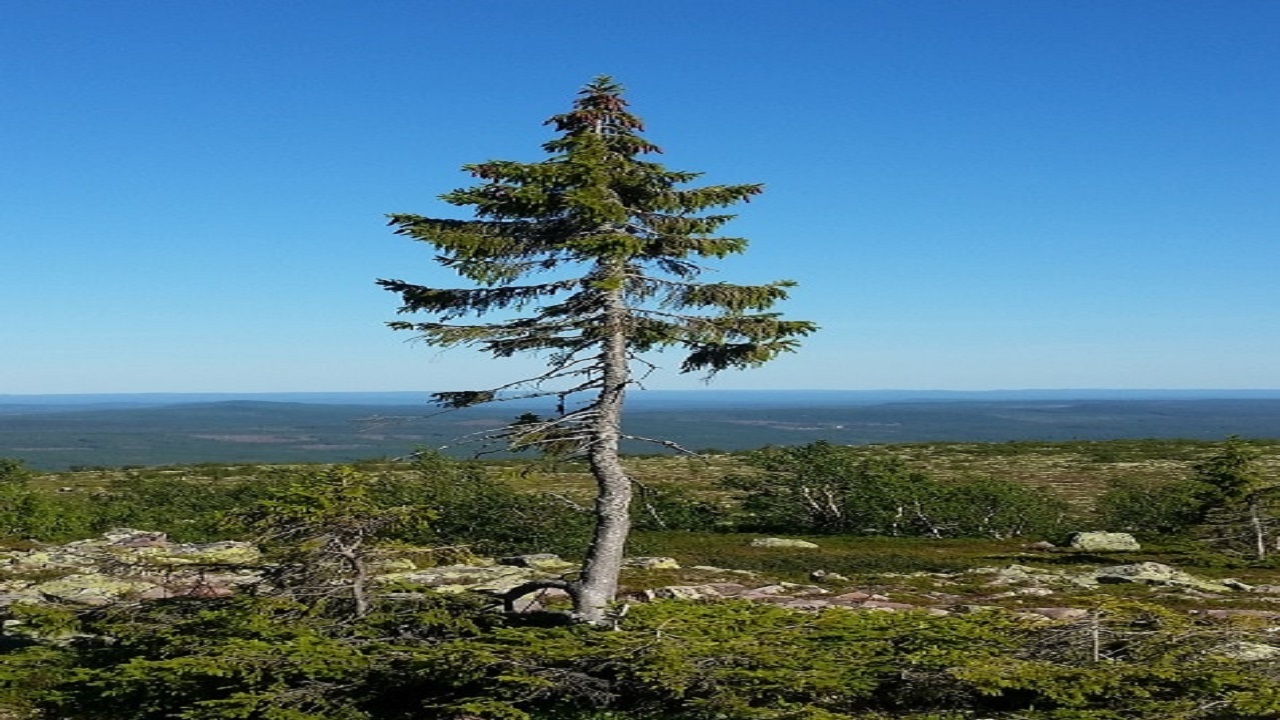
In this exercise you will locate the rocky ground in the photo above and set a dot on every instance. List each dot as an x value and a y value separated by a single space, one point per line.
134 565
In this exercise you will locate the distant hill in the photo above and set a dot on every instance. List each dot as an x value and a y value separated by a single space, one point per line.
59 432
644 399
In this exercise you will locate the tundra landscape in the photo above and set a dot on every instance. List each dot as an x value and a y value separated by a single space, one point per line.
1085 579
659 473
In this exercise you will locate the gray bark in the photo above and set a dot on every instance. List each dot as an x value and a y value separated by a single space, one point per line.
1259 529
599 583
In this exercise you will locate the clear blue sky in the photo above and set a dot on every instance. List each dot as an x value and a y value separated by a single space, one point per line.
972 194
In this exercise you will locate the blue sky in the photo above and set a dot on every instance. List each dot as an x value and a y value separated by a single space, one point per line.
973 194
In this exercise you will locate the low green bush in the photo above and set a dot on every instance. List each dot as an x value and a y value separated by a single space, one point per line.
471 506
824 488
30 514
452 659
673 507
484 512
1170 506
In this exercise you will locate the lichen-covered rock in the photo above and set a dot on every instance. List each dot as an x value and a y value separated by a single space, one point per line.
783 543
651 563
723 571
1016 575
1103 542
705 591
90 589
493 579
130 538
227 552
26 561
547 562
18 591
1152 573
1246 651
887 605
394 565
129 547
1059 613
682 592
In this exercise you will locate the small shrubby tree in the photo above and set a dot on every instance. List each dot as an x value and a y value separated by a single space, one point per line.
324 528
999 508
29 513
591 259
820 488
479 511
19 504
826 488
1240 494
187 508
1158 506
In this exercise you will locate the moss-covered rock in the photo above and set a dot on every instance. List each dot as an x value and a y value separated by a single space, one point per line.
90 589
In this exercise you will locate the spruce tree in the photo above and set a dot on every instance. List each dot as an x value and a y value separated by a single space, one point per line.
591 259
1238 486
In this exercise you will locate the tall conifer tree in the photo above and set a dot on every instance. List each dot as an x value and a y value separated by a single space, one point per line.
591 259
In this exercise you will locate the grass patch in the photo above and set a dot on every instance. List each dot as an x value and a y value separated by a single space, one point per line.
846 555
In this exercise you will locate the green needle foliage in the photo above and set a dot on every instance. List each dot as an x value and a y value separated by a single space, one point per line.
591 259
620 243
259 658
1240 494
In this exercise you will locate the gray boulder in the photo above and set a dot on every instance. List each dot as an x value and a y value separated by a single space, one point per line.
651 563
549 562
1151 573
1016 575
459 578
683 592
90 589
1059 613
1103 542
1247 651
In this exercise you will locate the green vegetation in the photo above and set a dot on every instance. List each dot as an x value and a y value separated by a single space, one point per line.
1240 495
823 488
320 642
1151 506
512 506
270 658
467 505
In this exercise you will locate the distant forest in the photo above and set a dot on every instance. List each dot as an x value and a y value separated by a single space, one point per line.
130 432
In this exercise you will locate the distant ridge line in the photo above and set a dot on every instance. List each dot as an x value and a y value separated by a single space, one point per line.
649 397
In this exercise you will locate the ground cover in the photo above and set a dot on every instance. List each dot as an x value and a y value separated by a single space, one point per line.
710 623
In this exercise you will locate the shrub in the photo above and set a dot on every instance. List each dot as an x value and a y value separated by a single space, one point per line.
447 658
1000 509
27 513
1147 505
187 509
823 488
674 507
477 509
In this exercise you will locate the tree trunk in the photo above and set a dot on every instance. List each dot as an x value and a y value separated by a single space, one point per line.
603 563
1259 530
